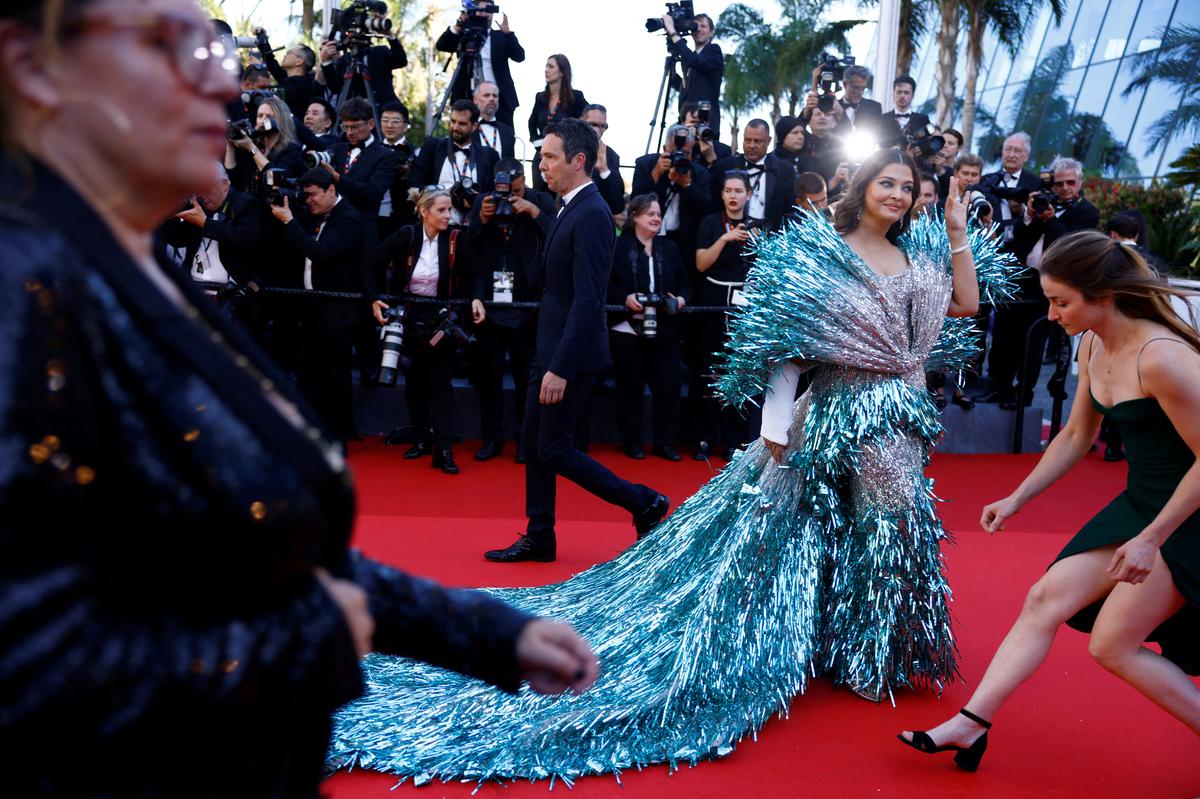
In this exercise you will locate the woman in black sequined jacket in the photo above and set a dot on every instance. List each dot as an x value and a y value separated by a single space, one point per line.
179 605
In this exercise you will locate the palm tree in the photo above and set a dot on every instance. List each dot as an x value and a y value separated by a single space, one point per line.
947 39
1177 64
914 24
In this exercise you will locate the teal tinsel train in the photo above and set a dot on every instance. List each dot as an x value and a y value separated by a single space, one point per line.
768 576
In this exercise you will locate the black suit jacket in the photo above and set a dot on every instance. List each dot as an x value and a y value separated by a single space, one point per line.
612 188
506 134
1080 215
366 181
780 176
427 169
237 235
337 259
571 334
670 277
1026 181
702 72
867 119
381 61
540 117
694 202
505 48
400 251
890 132
298 90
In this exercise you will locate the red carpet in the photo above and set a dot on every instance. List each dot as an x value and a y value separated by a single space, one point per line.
1073 731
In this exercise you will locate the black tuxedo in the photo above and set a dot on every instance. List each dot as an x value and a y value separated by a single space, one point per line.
381 61
504 136
427 169
720 150
367 179
236 234
612 188
298 90
868 117
327 326
892 132
780 177
694 201
702 76
1026 182
505 48
572 342
403 209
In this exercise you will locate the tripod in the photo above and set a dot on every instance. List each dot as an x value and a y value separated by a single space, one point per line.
664 101
468 57
357 68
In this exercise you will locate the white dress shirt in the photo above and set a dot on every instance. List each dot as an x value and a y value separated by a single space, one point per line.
757 206
571 195
308 261
424 280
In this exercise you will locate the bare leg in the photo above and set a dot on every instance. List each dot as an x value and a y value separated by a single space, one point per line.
1130 613
1066 588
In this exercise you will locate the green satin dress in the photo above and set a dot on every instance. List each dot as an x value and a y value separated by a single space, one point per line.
1158 459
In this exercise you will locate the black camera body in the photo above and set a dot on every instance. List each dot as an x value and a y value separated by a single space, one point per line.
679 157
683 14
273 185
925 139
463 194
475 26
392 337
450 328
651 304
504 213
353 26
704 131
1044 197
833 70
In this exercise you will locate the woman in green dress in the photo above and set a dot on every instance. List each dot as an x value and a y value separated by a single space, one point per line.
1132 574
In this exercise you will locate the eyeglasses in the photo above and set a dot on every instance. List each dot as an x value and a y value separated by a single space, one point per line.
1058 183
349 126
188 44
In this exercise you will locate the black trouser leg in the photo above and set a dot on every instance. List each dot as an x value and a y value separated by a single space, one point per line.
489 380
418 389
666 378
629 367
441 374
520 359
324 373
711 337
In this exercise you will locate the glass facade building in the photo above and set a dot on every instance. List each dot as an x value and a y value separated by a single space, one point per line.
1069 86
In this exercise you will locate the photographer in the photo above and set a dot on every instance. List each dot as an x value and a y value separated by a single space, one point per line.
215 239
681 187
703 68
709 147
858 113
294 76
381 61
457 163
771 180
811 195
361 166
333 261
493 133
270 144
945 161
428 260
825 151
318 120
495 48
793 144
723 260
607 173
969 171
396 209
1047 216
649 279
895 125
1012 183
508 246
558 101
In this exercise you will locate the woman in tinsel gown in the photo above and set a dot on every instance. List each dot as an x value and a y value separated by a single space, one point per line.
818 558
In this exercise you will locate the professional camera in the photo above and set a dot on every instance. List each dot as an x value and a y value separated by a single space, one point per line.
651 303
504 213
463 194
392 336
704 131
315 158
977 205
679 159
1043 197
353 26
240 128
925 139
683 15
449 327
833 69
273 185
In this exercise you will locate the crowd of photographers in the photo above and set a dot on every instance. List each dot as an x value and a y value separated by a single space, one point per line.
321 192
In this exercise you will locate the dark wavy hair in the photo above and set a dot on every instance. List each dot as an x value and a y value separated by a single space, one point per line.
1097 267
849 210
566 95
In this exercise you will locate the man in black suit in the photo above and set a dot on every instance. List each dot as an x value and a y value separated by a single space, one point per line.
294 75
896 124
857 113
772 180
381 62
683 194
361 166
318 123
706 152
332 246
607 174
216 239
396 209
572 347
1010 185
1034 232
445 162
703 68
492 132
495 48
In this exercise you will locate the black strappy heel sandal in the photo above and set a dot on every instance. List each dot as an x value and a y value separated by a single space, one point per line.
966 757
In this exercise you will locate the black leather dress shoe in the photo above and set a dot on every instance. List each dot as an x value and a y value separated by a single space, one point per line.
666 451
703 452
940 401
520 456
444 459
964 402
524 549
397 436
635 451
489 450
645 519
992 397
418 450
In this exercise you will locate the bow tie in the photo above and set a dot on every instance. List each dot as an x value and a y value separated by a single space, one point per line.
849 105
487 122
906 116
463 150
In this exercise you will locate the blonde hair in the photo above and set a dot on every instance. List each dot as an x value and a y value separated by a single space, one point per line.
424 198
283 118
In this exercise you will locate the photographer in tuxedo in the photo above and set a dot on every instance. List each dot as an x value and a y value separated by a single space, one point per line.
497 48
572 347
361 166
607 174
396 209
707 152
895 124
1009 185
681 186
508 248
331 241
319 118
382 60
446 162
216 238
856 112
493 133
772 180
703 68
294 75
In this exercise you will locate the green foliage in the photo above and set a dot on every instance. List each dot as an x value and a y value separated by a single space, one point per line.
1187 169
1172 217
1176 63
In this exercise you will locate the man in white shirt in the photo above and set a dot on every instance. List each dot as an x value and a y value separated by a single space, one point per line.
215 239
901 119
492 133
